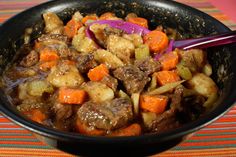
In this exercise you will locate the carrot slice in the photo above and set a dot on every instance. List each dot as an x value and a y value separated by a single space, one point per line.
169 60
36 115
47 54
156 40
84 129
164 77
89 17
138 21
45 66
153 103
132 130
97 73
71 96
71 28
107 16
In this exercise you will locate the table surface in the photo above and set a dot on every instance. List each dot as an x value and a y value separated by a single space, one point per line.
217 139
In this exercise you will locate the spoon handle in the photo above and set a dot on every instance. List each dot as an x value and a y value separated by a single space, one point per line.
205 42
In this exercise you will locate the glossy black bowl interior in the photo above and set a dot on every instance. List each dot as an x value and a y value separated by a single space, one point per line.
186 20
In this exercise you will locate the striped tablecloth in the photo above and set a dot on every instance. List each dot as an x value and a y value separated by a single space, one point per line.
218 139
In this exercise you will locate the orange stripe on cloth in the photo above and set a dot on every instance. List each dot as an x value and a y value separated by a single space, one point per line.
198 153
32 152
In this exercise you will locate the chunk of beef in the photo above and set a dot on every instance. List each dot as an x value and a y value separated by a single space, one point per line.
121 47
31 59
107 115
110 82
133 79
62 111
165 121
148 65
176 98
192 108
86 62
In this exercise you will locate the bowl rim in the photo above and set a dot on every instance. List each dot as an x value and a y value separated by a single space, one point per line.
171 134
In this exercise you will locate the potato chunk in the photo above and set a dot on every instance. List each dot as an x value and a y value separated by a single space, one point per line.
203 84
53 24
65 75
120 47
98 92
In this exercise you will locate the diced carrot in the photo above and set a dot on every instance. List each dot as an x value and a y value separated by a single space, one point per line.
84 129
45 66
71 28
36 115
132 130
71 96
164 77
47 54
138 21
156 40
169 60
107 16
97 73
89 17
153 103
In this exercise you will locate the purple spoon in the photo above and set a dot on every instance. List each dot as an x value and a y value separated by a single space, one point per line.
204 42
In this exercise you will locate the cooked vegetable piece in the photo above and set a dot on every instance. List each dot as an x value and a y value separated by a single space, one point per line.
148 118
84 129
207 69
98 92
203 84
142 52
136 39
71 96
87 18
211 100
47 65
36 115
82 43
153 103
156 40
153 83
38 87
53 24
48 55
71 28
184 72
120 47
98 73
106 57
165 88
138 21
164 77
122 94
132 130
65 75
108 16
135 100
169 60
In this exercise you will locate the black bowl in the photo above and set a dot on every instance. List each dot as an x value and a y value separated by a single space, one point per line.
186 20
